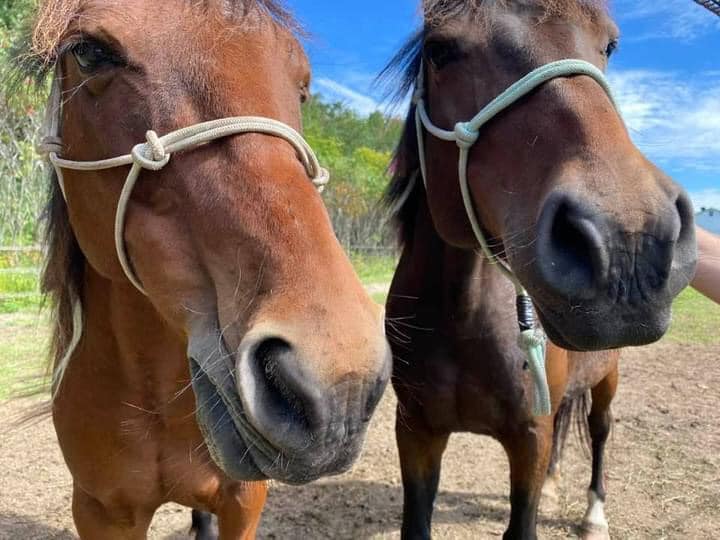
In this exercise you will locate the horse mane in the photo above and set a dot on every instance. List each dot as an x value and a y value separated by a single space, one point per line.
35 56
406 186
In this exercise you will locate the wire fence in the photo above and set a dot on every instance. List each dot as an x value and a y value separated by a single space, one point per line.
22 178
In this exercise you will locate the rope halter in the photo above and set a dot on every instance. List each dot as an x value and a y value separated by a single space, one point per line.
465 134
155 153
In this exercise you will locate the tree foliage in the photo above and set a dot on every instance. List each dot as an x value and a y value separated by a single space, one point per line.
22 184
357 150
14 12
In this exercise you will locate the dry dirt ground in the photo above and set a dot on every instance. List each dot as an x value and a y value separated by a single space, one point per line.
663 480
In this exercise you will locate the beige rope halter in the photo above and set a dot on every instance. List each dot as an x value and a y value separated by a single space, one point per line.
156 152
153 155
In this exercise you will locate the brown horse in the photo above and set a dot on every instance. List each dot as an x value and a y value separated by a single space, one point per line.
598 236
241 281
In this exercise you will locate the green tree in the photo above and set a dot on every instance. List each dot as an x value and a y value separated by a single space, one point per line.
14 12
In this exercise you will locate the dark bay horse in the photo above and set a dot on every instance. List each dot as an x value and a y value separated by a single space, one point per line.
210 333
598 237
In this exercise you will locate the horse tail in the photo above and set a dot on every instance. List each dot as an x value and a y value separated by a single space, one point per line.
572 411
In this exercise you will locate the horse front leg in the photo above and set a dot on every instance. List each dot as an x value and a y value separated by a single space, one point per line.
202 526
595 525
529 454
119 521
420 459
550 498
239 510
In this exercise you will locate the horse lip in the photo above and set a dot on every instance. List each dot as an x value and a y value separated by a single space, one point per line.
218 419
625 335
235 445
213 378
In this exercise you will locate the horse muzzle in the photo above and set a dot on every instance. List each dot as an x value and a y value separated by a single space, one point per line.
598 286
265 415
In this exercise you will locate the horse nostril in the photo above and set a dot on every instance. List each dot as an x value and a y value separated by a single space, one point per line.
280 397
569 237
269 355
571 253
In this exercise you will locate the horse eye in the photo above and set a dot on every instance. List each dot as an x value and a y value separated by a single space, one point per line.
440 53
91 56
611 48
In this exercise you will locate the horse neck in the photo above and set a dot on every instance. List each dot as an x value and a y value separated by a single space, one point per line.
127 345
466 284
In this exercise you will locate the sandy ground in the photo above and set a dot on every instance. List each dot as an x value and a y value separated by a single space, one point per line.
663 479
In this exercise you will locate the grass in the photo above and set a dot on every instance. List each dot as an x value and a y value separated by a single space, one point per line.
23 344
18 280
374 269
19 289
696 319
24 325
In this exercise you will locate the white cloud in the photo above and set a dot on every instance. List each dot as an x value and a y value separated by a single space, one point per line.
707 198
335 91
667 19
672 117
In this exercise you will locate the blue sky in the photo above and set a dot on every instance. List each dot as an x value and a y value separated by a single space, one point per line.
666 73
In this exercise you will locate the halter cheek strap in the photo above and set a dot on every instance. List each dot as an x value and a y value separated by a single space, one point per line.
155 153
465 134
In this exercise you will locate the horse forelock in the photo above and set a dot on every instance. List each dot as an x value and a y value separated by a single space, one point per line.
438 11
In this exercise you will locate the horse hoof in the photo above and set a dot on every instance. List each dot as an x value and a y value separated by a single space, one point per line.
591 531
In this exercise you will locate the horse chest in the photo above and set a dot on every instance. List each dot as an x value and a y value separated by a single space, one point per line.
463 384
121 443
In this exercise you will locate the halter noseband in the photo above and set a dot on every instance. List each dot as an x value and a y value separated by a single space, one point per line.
465 135
155 153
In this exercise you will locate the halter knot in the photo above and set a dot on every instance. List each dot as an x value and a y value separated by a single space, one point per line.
50 145
151 155
465 136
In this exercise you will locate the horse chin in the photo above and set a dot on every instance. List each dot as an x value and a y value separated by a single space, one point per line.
596 331
225 444
241 451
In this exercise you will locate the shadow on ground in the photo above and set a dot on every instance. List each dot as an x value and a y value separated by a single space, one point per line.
16 526
357 509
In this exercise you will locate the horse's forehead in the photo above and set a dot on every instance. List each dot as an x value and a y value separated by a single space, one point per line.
527 28
483 15
163 23
180 35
